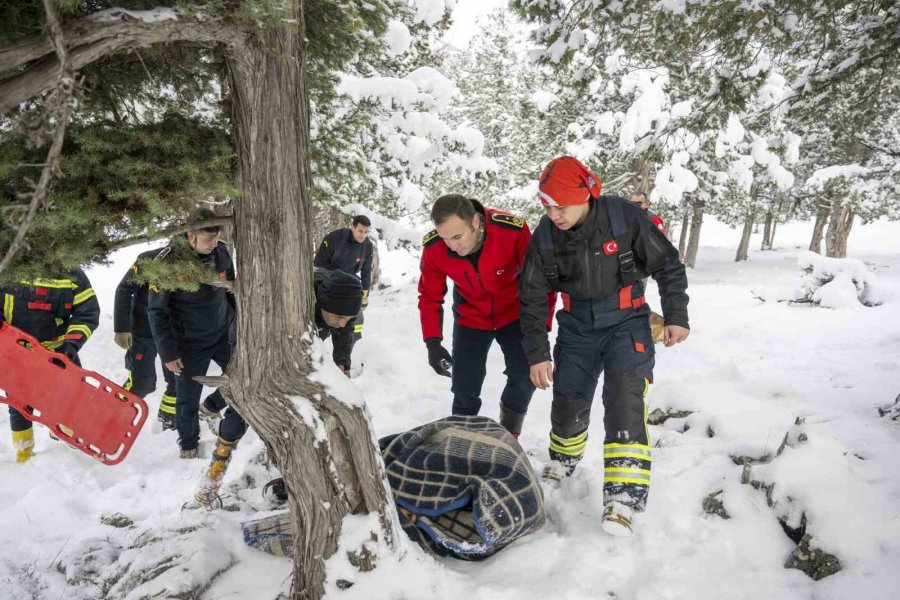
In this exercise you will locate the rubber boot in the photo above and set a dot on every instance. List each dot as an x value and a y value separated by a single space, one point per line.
23 442
208 490
618 520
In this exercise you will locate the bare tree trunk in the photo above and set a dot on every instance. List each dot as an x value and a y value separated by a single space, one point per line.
693 246
685 224
641 181
838 232
819 228
744 246
768 231
838 229
330 465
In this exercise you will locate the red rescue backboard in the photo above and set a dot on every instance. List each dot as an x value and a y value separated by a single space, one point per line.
82 408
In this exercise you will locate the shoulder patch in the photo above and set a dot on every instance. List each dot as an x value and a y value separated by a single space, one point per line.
511 221
430 238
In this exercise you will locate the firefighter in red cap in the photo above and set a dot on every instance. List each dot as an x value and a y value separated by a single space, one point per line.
595 250
481 250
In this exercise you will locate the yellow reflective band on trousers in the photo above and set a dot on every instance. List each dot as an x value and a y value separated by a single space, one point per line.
85 295
573 446
8 303
167 405
357 328
130 383
635 451
626 475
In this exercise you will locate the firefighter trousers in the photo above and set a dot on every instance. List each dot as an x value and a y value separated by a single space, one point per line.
196 362
599 336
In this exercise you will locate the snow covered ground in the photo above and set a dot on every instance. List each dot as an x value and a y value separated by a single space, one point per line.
748 371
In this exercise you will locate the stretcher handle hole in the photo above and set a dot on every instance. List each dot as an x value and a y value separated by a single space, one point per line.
66 431
137 417
3 394
58 362
32 411
25 344
91 381
115 455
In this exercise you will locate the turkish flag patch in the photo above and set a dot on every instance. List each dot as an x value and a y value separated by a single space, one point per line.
610 247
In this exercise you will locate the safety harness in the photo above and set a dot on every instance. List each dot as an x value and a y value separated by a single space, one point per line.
620 232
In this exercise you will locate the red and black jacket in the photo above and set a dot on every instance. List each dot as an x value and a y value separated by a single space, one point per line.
485 298
61 313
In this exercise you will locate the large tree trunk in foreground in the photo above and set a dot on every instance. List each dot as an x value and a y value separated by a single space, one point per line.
744 247
690 258
323 447
824 210
838 230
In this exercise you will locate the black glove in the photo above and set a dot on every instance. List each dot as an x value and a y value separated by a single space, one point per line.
438 357
70 351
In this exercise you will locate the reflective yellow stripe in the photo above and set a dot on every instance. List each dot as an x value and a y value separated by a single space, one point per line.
61 284
357 329
627 455
83 329
572 440
628 447
129 384
169 409
167 399
8 302
85 295
567 451
637 451
617 475
54 343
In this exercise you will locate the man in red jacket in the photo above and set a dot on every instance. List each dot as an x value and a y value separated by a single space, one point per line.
482 251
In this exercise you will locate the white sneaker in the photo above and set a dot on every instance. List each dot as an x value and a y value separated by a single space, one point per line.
617 520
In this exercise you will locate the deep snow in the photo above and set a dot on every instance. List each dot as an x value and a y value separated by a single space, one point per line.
749 369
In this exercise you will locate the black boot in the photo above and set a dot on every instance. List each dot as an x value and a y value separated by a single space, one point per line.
512 421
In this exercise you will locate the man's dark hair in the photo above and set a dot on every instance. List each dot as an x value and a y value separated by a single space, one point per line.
642 194
360 220
450 205
204 213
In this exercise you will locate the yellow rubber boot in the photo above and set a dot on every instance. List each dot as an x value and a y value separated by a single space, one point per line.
208 490
23 442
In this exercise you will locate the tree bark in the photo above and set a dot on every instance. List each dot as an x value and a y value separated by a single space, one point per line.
838 230
89 41
744 246
323 446
685 224
824 210
693 246
768 231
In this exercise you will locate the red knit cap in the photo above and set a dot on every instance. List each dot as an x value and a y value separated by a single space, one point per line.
567 182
